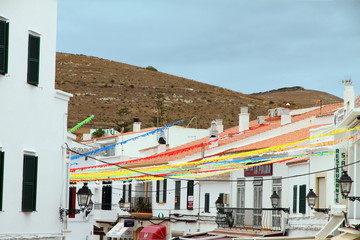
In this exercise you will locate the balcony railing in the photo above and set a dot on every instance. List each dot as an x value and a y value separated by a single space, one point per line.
250 218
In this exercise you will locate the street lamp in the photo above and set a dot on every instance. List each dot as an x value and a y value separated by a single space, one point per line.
84 196
275 199
312 198
84 201
345 182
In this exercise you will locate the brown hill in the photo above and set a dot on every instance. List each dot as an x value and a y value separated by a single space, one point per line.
116 93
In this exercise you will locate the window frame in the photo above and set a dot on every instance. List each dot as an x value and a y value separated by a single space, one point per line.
177 204
161 188
302 199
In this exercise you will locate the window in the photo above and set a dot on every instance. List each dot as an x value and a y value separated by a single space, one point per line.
72 200
207 203
1 178
127 192
302 199
33 60
240 202
295 198
190 195
29 183
177 194
4 46
161 191
106 195
258 194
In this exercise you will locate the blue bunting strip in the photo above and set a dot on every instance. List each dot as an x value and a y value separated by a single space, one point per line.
123 142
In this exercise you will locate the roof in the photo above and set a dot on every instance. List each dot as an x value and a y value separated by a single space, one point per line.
232 135
120 134
294 136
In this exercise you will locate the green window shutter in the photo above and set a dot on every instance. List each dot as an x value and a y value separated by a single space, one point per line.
29 183
302 199
207 203
164 189
177 194
4 46
33 60
158 191
1 178
294 198
190 188
106 196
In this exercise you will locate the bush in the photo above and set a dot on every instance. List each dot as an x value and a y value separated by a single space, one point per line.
98 133
151 68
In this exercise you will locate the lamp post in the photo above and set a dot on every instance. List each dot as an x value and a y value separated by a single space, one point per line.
345 182
312 198
84 201
275 199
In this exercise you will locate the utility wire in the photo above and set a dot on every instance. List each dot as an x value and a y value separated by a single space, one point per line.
213 180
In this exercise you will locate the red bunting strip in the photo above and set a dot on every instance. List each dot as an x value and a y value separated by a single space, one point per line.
166 154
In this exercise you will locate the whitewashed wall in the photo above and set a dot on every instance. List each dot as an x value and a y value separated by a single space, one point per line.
33 119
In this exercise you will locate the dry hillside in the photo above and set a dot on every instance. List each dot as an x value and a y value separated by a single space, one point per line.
118 92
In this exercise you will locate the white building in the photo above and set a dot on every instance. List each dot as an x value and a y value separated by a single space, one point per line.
32 124
140 143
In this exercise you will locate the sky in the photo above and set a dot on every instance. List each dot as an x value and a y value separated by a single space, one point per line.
247 46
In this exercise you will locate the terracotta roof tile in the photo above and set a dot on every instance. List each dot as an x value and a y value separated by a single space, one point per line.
254 130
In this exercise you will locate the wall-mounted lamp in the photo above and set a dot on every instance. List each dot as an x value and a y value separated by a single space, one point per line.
312 198
275 199
345 182
84 201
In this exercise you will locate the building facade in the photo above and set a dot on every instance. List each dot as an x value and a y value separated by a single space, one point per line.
33 122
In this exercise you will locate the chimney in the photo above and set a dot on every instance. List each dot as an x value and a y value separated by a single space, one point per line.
285 116
219 125
349 95
136 125
261 120
244 119
214 132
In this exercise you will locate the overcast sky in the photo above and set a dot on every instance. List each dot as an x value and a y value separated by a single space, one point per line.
243 45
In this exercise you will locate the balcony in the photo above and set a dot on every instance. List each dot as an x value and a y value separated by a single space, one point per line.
267 219
138 207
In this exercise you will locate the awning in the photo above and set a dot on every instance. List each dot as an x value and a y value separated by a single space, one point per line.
119 231
330 227
153 232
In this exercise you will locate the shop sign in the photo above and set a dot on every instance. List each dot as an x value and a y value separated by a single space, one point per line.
262 170
339 116
190 203
340 161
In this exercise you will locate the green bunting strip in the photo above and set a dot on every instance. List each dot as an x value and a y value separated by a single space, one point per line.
81 123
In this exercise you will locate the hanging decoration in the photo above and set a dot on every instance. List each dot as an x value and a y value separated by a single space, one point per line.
211 166
124 142
169 153
81 123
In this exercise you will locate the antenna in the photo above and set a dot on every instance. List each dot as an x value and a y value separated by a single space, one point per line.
347 82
